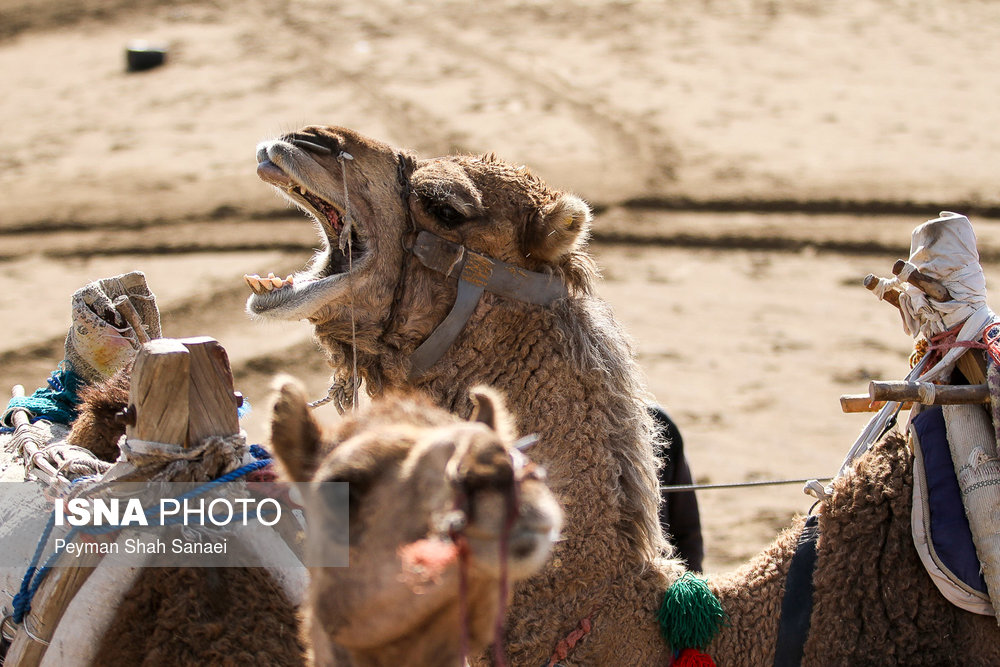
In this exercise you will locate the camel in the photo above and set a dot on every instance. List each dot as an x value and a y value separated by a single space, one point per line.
565 366
406 460
415 473
442 274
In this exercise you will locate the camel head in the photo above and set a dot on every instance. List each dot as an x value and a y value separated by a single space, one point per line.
370 202
431 497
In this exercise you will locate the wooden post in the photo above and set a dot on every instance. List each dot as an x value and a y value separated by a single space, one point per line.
890 296
863 403
159 394
973 366
943 394
181 392
212 401
131 315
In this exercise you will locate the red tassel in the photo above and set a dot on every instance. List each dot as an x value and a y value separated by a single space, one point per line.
692 657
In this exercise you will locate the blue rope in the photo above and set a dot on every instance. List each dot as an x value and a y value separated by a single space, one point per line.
22 601
31 581
259 452
58 402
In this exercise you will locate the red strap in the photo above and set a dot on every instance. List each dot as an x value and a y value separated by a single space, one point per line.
564 647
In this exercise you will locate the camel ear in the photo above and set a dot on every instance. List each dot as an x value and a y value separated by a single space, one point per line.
488 408
561 227
295 435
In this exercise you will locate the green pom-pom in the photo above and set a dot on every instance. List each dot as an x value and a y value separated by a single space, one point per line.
690 615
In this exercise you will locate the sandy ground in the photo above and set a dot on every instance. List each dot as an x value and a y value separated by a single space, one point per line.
750 161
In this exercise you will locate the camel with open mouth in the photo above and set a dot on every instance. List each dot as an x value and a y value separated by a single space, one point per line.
447 273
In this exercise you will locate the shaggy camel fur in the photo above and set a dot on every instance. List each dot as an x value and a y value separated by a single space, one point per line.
399 601
568 370
414 470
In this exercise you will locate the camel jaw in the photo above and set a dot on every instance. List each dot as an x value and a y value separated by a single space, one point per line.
297 175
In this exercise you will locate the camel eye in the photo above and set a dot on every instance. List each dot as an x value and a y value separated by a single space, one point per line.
446 214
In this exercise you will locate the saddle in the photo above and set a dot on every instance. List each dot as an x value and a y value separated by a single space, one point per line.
941 532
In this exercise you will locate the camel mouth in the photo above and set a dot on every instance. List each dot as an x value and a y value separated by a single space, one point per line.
344 247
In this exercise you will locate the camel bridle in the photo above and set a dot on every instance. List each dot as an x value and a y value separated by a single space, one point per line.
476 273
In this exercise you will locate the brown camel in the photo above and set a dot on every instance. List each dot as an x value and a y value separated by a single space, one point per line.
565 366
447 273
418 477
414 470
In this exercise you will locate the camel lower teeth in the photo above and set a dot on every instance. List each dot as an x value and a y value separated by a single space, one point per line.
269 284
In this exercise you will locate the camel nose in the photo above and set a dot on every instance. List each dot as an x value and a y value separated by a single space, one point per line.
486 466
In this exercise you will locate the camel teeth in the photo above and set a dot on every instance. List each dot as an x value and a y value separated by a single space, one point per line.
253 282
278 283
290 279
302 190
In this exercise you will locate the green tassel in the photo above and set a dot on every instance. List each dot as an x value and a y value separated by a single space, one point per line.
690 615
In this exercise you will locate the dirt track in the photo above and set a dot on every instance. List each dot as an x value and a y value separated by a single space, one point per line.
711 136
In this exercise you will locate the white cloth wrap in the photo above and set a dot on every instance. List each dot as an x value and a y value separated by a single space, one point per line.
943 249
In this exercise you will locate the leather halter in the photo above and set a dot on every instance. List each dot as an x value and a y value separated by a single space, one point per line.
476 274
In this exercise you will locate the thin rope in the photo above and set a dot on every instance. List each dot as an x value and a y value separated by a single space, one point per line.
674 488
511 515
336 391
22 601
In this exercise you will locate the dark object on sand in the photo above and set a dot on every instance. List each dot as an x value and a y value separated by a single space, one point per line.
141 55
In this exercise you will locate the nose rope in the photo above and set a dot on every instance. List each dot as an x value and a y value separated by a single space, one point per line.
462 503
336 391
499 655
458 538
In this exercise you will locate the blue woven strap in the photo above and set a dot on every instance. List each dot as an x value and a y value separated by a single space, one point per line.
55 403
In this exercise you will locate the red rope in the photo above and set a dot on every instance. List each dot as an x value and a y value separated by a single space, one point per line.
991 338
564 647
947 340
